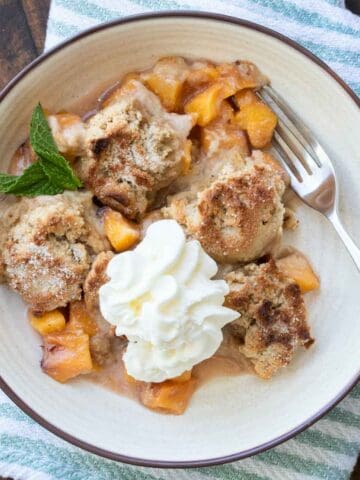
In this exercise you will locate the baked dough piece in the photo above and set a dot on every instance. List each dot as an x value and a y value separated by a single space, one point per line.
49 247
272 324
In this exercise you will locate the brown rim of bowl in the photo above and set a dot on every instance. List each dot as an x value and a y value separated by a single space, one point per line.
195 463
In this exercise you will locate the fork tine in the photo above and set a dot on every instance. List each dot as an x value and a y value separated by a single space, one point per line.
297 149
290 156
294 123
286 162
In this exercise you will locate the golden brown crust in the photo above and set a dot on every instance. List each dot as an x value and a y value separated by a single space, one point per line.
273 316
101 346
11 210
236 217
132 152
113 177
47 253
95 279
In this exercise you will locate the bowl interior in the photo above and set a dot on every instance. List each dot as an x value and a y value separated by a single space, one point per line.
245 412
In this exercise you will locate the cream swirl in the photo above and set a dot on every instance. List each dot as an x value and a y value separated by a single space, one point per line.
161 297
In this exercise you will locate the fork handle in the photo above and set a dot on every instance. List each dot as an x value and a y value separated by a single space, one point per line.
345 237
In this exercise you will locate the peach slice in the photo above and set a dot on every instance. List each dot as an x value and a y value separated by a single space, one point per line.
297 267
66 355
207 104
121 233
48 322
168 90
170 396
167 79
259 121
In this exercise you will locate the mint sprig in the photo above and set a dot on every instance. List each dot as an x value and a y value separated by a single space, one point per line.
50 174
41 138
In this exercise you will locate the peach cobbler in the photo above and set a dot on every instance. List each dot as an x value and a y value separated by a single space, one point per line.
144 234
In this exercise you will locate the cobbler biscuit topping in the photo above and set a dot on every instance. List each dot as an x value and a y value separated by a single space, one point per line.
165 258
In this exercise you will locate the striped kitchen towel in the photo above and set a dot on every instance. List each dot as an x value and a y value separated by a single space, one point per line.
328 449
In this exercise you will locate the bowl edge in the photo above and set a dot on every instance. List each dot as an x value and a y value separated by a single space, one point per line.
195 463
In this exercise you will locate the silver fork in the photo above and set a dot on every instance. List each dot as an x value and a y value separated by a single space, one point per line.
308 165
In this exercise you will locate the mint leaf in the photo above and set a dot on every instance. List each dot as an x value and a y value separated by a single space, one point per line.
32 182
6 181
41 138
31 176
59 171
51 174
56 167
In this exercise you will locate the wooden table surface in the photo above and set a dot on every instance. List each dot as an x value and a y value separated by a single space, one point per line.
22 36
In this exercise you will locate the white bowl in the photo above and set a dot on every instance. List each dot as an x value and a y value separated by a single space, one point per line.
229 418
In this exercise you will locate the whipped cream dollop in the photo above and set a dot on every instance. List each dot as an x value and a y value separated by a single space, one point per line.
161 297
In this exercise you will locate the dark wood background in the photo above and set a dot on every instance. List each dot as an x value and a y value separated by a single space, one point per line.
22 36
